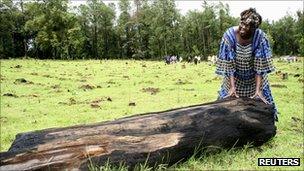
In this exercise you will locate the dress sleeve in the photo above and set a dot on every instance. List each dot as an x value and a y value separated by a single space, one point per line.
263 57
225 63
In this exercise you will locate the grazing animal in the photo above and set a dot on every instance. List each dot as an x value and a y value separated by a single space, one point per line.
285 76
189 59
180 59
196 60
170 59
212 59
289 59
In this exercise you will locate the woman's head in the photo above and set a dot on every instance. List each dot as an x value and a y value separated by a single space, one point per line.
250 20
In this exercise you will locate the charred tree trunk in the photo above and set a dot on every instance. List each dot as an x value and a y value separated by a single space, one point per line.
161 137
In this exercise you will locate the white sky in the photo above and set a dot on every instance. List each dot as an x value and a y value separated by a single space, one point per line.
271 10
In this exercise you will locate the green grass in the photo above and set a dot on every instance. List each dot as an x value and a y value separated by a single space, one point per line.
62 93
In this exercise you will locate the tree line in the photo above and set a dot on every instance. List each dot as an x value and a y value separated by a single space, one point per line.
144 29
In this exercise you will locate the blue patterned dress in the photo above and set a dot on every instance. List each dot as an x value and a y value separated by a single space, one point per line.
244 62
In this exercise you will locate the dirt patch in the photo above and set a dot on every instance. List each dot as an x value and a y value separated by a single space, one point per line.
146 82
10 95
111 82
3 119
95 105
33 73
216 78
296 124
47 76
79 73
189 89
22 81
132 104
278 72
70 102
62 78
57 86
97 101
182 82
151 90
17 66
2 78
295 119
40 84
34 122
278 86
109 99
33 95
284 76
87 87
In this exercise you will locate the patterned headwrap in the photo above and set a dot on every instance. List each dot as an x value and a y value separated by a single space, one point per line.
252 17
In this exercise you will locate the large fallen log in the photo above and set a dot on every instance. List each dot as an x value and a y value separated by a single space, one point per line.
154 138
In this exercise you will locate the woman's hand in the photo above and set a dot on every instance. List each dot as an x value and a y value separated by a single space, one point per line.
258 94
232 93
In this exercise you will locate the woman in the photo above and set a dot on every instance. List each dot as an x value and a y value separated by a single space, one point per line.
244 60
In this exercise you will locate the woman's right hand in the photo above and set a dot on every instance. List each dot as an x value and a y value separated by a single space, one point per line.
232 93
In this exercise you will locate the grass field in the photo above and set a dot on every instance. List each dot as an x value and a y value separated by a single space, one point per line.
38 94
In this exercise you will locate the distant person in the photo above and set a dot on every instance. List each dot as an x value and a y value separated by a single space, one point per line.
244 59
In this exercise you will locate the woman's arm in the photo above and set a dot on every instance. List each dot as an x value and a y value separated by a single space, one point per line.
232 89
258 80
258 91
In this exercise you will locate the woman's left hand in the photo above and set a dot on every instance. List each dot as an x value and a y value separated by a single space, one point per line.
258 94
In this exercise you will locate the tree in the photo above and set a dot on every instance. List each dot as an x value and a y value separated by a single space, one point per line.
123 28
12 35
96 22
7 27
284 36
166 34
51 27
299 32
149 29
267 28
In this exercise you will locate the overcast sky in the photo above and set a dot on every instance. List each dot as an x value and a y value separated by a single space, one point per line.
271 10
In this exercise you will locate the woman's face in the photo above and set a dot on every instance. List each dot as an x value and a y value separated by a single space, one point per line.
245 29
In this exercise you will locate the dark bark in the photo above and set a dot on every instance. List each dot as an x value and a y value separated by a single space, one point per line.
160 137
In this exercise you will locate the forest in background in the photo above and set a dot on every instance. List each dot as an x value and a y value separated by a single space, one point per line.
144 29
